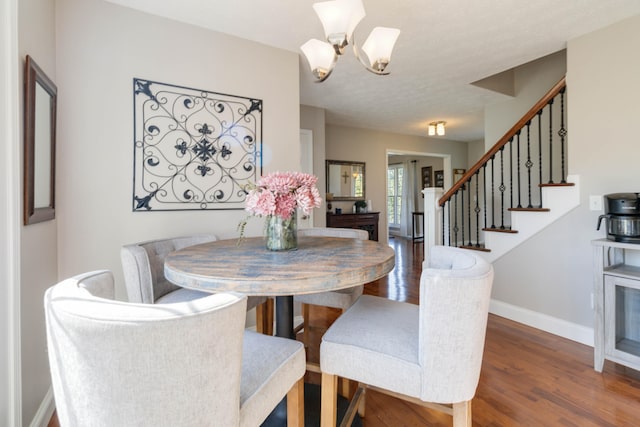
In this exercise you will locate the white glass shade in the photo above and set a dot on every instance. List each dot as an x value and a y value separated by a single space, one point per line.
379 45
320 55
432 129
440 128
339 16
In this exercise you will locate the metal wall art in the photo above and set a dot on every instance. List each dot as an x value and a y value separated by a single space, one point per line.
193 149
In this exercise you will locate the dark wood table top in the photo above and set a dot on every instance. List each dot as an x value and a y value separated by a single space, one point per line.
319 264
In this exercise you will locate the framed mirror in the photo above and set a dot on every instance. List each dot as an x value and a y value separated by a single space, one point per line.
40 99
346 180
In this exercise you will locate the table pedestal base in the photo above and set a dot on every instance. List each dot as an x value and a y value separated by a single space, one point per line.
278 417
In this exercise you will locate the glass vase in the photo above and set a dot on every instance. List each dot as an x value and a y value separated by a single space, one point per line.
282 234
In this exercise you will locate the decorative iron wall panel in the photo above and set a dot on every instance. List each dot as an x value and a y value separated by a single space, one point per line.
193 149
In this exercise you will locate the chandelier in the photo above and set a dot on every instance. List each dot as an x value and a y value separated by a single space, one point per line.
339 19
436 128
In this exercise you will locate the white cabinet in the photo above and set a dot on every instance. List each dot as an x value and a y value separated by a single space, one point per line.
617 304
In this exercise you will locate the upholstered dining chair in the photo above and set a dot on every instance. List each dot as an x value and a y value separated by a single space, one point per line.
341 299
429 354
188 363
143 267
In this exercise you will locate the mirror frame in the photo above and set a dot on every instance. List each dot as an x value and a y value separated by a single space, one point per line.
364 179
34 76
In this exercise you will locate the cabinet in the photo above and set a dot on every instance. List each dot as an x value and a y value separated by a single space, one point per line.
365 221
617 303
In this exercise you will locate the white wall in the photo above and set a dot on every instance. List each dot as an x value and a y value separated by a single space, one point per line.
38 258
101 48
552 273
361 145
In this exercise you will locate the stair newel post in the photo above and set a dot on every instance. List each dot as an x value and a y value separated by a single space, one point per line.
529 163
562 132
550 143
433 219
502 188
519 187
477 209
540 154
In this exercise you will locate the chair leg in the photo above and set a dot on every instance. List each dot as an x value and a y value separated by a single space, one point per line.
264 317
462 414
305 324
329 400
362 404
295 404
268 317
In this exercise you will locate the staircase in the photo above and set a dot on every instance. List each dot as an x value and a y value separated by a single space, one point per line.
515 190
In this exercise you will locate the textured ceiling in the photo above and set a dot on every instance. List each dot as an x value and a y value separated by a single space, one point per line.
442 48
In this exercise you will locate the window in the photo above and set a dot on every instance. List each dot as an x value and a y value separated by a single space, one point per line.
394 195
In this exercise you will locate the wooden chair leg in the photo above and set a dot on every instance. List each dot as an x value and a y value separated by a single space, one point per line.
462 414
305 323
329 400
264 317
362 404
295 404
268 316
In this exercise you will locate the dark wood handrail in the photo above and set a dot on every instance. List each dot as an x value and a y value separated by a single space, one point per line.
555 90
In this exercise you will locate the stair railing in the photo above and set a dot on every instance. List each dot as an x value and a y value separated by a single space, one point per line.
504 179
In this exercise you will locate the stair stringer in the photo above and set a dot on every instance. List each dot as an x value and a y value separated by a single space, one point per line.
559 200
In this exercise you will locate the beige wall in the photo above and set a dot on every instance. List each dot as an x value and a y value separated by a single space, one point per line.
101 48
38 257
551 274
371 147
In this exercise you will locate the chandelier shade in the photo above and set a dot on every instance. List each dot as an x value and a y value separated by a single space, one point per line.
339 19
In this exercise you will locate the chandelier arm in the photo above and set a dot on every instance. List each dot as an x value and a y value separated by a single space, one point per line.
359 57
320 79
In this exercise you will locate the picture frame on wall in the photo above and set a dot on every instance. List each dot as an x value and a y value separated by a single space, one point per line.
439 178
426 177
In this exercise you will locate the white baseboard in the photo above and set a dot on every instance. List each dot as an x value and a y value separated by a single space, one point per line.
45 411
546 323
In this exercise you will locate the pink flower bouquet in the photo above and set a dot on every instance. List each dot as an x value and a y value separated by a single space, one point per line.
280 193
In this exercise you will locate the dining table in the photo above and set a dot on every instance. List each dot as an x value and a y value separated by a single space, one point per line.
246 266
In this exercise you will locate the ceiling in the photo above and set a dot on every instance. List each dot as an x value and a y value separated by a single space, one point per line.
443 47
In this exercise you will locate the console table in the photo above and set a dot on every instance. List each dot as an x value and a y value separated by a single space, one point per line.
364 221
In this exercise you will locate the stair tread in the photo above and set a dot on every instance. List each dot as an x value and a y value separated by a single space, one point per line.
557 184
475 248
500 230
529 209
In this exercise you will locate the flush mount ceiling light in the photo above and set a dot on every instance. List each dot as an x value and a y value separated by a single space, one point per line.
436 128
339 19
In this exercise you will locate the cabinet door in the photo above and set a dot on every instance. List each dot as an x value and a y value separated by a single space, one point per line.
622 320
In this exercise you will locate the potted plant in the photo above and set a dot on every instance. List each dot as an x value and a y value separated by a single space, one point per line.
361 206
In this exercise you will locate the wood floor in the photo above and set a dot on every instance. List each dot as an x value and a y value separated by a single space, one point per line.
528 377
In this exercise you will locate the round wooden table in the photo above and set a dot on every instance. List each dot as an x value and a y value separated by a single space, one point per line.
318 264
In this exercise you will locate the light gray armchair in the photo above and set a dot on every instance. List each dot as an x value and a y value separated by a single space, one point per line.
427 354
143 267
341 299
181 364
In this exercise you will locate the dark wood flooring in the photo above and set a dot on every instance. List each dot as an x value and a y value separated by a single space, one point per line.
528 377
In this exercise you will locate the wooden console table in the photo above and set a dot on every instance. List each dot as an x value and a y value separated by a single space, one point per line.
364 221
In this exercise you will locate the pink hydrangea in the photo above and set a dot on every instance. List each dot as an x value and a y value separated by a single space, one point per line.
280 193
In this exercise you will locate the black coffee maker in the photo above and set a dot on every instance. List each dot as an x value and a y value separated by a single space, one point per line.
622 212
